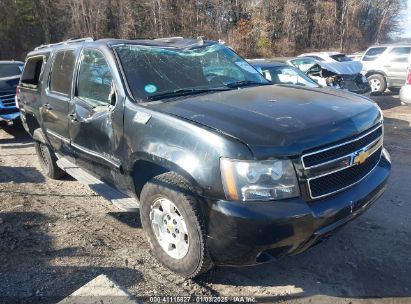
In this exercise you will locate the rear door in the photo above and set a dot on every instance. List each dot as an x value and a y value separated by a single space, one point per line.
372 59
56 98
31 84
96 115
396 64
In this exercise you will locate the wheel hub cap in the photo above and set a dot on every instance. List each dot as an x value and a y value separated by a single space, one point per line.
169 228
375 85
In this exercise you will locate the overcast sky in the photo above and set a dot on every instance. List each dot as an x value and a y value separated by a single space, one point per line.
407 23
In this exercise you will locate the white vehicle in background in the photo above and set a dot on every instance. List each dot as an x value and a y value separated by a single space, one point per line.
385 66
327 56
405 93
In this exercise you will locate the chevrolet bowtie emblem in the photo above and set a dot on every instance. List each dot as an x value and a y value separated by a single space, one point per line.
361 157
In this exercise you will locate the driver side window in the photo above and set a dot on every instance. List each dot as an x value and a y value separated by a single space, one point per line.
94 78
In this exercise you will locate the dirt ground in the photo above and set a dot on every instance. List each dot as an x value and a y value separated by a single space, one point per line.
56 236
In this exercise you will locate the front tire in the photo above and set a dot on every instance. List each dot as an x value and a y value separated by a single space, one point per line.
377 83
48 161
174 224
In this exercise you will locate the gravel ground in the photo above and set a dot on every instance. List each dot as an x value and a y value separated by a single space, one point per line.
56 236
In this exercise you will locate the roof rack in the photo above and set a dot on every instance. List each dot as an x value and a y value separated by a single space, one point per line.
71 40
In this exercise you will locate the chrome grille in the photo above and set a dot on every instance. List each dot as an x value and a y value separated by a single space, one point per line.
338 167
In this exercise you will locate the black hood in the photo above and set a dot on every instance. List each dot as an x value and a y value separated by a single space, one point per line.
8 85
278 120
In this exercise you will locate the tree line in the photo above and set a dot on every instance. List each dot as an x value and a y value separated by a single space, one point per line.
254 28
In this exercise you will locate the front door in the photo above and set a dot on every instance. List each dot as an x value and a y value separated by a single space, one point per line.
96 116
56 100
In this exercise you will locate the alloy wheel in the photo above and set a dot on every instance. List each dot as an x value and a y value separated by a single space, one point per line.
169 228
375 85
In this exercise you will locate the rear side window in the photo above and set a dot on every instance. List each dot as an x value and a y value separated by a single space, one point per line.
399 54
32 72
373 53
94 78
10 69
62 72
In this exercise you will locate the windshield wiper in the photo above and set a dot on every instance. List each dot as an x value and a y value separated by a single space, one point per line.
182 92
244 83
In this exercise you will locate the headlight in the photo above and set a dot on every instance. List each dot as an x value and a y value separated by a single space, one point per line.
258 180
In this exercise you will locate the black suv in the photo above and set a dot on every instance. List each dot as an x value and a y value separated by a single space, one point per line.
226 168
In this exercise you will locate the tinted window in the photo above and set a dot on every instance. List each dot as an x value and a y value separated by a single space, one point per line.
94 80
62 72
373 53
400 54
32 71
10 69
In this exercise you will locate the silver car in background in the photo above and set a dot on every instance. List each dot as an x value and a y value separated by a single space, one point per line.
405 93
385 66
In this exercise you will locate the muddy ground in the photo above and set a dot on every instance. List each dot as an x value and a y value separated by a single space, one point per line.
56 236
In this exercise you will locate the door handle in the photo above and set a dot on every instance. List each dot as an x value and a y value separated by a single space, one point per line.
47 107
387 66
73 117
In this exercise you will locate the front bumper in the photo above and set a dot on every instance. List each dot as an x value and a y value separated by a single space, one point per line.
250 233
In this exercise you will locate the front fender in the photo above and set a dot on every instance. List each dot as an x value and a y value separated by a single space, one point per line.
192 150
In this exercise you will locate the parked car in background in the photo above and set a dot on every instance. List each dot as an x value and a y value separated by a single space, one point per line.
405 93
327 56
356 56
10 72
385 66
343 74
282 73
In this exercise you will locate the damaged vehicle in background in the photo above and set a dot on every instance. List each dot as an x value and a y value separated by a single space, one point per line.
10 72
344 74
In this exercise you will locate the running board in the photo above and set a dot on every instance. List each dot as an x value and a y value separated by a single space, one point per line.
119 199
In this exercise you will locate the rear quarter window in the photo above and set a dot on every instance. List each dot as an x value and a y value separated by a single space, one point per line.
62 72
32 71
373 53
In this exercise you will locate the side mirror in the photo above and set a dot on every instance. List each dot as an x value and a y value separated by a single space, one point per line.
112 97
